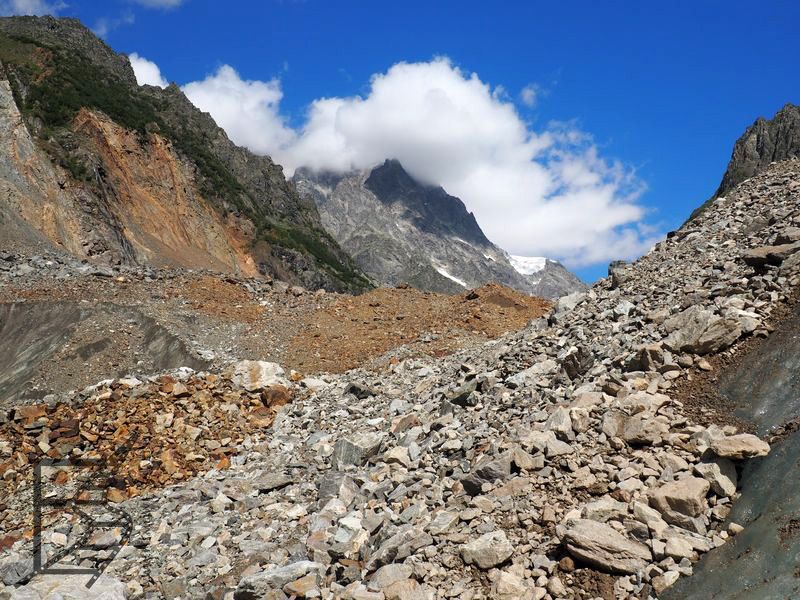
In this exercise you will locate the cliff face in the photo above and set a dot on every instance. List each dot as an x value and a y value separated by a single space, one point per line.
114 172
160 211
401 231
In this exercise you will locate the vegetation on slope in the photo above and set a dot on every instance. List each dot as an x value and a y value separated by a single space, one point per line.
51 85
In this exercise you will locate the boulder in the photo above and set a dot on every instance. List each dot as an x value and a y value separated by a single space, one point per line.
686 496
617 271
254 375
408 589
359 390
464 395
487 470
721 474
389 574
700 331
489 550
71 587
568 302
15 567
603 547
259 585
407 540
720 334
560 423
643 430
356 450
739 447
760 258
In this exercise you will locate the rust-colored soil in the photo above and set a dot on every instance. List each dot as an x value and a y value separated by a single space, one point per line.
217 297
307 331
353 330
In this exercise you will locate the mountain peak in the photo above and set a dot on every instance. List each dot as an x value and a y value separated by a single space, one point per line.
73 36
430 208
764 142
400 230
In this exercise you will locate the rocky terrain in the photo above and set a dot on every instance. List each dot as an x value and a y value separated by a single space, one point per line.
399 230
582 456
66 324
233 435
95 165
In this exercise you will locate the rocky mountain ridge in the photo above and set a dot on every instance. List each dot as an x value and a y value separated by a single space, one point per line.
91 160
401 231
764 142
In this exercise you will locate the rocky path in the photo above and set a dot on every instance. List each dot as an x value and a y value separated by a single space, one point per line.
556 462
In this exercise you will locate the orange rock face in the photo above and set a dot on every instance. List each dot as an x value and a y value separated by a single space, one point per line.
161 211
141 204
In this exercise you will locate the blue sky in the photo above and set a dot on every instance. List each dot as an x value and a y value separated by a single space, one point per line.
663 89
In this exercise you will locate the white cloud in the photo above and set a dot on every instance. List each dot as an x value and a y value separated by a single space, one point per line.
146 71
544 192
105 25
159 3
529 95
30 7
246 110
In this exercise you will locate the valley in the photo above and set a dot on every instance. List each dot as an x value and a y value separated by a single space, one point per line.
218 383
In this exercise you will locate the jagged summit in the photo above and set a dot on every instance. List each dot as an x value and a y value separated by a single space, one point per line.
400 230
764 142
430 208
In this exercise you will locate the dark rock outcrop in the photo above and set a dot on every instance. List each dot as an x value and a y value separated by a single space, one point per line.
764 142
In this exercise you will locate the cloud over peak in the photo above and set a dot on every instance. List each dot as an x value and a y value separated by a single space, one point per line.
248 111
146 71
10 8
543 192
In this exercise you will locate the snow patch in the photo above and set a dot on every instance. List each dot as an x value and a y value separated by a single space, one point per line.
444 273
527 265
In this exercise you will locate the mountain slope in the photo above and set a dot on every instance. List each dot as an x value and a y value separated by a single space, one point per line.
401 231
549 278
112 171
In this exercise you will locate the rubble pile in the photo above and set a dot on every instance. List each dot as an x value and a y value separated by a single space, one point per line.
555 462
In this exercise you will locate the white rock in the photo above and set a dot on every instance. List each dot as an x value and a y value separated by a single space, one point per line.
489 550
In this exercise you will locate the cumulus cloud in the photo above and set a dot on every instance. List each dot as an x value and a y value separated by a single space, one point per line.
545 192
146 71
246 110
30 7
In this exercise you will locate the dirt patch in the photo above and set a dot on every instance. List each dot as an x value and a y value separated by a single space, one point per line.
217 297
222 318
700 390
353 330
595 583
